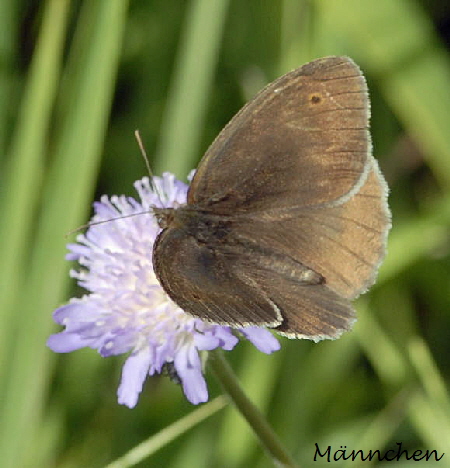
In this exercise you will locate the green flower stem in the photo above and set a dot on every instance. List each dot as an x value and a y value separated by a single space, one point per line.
267 437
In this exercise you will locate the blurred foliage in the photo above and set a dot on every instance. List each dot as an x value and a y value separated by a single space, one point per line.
76 79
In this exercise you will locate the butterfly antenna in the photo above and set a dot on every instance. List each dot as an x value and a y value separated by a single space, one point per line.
155 187
103 221
143 152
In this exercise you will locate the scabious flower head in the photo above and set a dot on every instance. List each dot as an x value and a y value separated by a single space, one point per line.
126 310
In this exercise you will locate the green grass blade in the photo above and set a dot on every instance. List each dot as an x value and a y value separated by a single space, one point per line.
8 76
68 187
23 178
192 80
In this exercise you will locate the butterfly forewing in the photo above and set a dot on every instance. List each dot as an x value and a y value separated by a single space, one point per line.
303 140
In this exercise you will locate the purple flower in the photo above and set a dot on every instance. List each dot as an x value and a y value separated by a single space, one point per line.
126 310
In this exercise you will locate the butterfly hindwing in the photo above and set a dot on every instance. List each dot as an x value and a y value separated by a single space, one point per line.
241 286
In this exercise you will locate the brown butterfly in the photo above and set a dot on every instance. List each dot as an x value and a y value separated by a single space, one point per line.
286 218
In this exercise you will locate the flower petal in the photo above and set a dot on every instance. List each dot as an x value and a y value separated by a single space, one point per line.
189 368
134 373
67 342
261 338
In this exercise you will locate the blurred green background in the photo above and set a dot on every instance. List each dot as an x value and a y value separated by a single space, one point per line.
76 79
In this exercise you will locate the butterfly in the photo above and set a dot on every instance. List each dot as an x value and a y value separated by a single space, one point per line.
286 219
